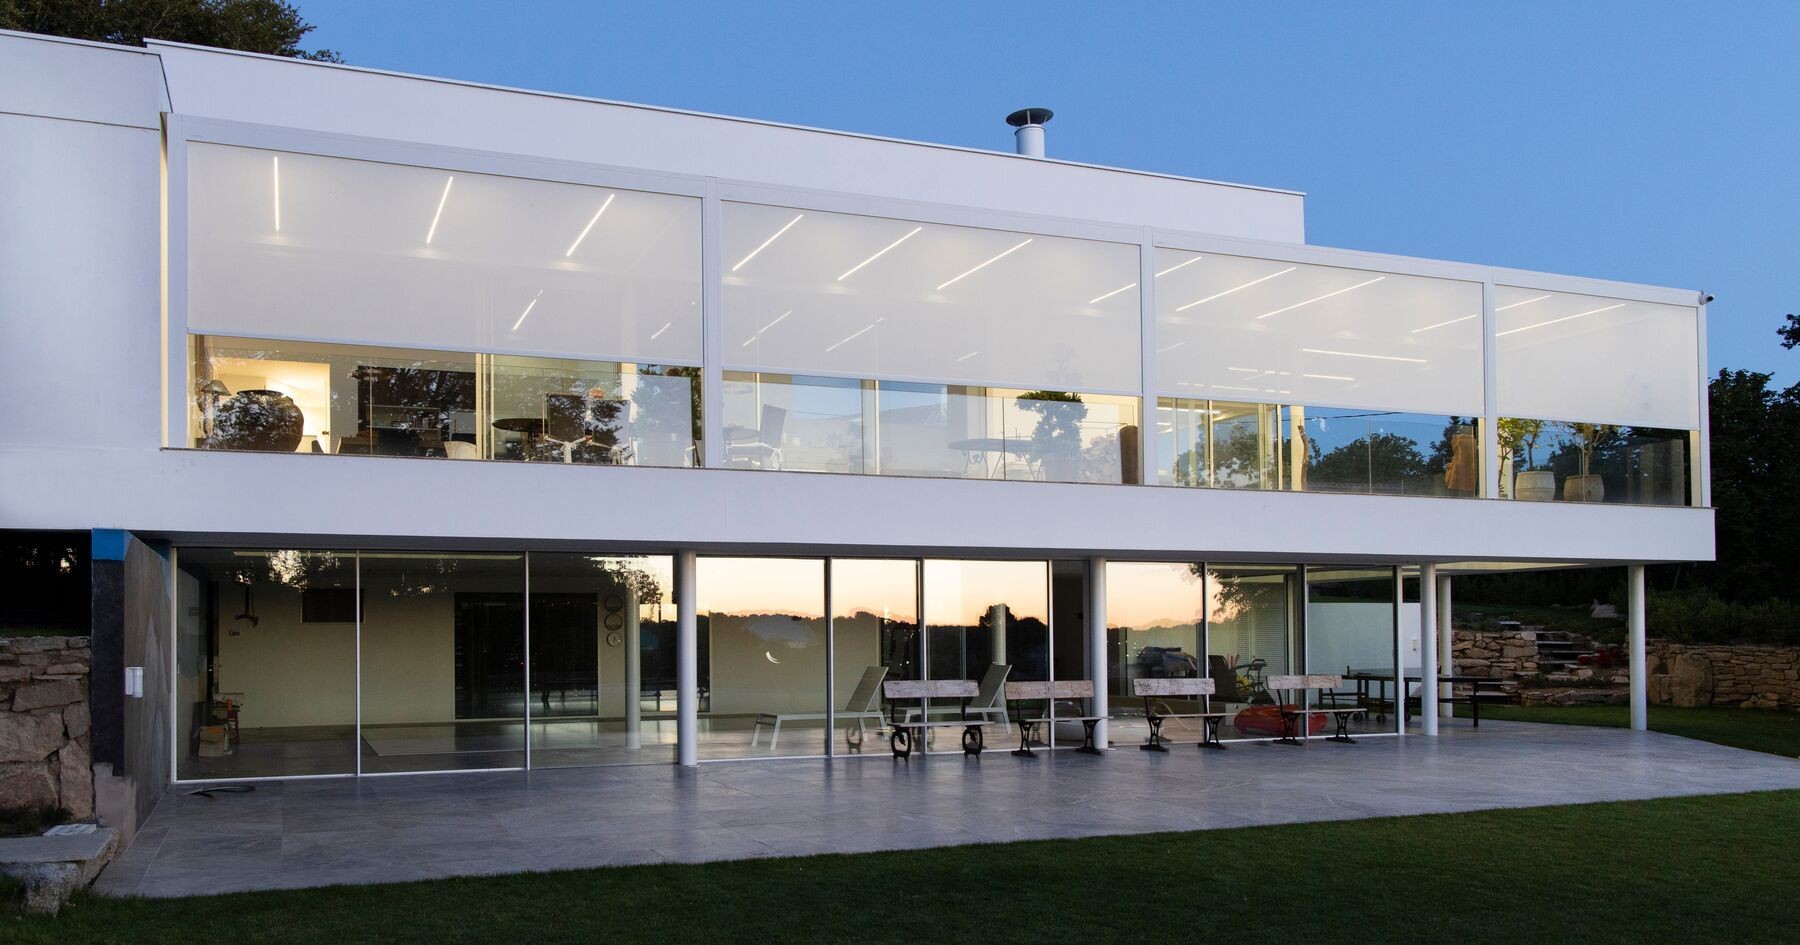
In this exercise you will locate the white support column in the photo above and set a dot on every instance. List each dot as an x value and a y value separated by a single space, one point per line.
1428 648
1400 654
1640 683
634 667
1096 645
687 661
1446 646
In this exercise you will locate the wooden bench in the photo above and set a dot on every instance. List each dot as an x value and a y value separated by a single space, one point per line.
914 728
1018 693
1290 718
1210 721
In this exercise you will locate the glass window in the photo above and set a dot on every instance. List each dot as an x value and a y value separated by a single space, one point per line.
1154 618
1351 631
1564 356
443 661
778 421
763 681
602 655
811 292
297 396
1273 331
1252 632
1544 460
987 621
994 433
265 663
284 245
875 639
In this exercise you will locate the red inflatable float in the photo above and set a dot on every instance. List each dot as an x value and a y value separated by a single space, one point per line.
1266 720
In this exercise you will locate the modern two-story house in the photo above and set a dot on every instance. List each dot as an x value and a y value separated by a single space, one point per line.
429 426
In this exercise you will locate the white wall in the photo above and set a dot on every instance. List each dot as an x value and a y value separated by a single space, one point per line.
290 673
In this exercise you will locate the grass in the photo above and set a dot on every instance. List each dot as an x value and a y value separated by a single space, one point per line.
1717 868
1777 733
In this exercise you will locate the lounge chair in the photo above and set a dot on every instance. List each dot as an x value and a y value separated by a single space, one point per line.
863 707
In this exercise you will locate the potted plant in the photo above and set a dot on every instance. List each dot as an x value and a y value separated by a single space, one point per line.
1056 439
1537 485
1587 437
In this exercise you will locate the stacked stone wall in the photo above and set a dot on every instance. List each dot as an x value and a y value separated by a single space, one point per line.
46 757
1753 676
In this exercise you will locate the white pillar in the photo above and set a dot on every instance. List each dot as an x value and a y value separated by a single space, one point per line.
997 628
1096 640
634 669
687 661
1640 683
1428 648
1446 646
1400 653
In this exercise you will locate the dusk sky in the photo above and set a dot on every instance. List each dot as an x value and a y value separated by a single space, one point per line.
1647 142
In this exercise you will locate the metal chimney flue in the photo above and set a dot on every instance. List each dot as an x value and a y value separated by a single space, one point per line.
1028 133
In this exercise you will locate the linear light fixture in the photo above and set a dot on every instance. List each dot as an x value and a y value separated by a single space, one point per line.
1321 298
1328 377
852 270
1102 298
854 335
1246 285
659 331
1170 347
967 356
1178 266
584 230
277 193
765 243
1232 387
440 210
1539 298
984 265
529 306
1591 311
752 339
1450 322
1372 357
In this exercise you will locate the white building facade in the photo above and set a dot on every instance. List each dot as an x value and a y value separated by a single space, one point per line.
436 426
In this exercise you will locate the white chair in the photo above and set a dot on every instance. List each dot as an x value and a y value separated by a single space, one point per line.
863 707
765 450
457 449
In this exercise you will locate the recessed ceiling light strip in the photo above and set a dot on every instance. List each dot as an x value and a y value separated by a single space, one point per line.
765 243
1592 311
1220 295
879 253
1450 322
527 313
984 265
1098 299
429 234
1178 266
1321 298
854 335
1372 357
1539 298
584 230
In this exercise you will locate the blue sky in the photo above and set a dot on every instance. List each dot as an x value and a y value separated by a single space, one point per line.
1646 141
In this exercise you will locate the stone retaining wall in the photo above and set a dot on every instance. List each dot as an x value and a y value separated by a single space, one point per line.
1507 654
45 758
1753 676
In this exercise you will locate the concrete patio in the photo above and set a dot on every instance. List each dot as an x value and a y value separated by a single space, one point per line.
393 829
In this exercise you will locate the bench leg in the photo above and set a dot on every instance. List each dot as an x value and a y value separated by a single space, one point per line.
1024 749
1290 728
755 732
1087 738
1209 737
1155 742
1343 728
972 740
775 734
901 742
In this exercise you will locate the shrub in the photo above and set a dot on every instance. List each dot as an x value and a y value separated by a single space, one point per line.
1701 616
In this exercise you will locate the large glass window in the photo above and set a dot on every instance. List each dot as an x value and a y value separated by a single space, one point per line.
265 652
777 421
1545 460
763 679
1352 631
811 292
443 661
1233 327
1228 445
298 245
1593 359
1252 633
875 639
987 621
296 396
602 659
1155 614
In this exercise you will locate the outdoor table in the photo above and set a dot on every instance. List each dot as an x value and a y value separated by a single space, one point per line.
997 445
1364 677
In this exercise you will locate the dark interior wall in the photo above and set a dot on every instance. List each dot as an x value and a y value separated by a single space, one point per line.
148 639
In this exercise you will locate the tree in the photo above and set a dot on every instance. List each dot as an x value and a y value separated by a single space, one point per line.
260 26
1382 459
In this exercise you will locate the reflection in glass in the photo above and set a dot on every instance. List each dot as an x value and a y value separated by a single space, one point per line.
602 660
987 621
1252 633
1352 626
443 661
265 663
762 621
1544 460
777 421
292 396
875 639
1154 617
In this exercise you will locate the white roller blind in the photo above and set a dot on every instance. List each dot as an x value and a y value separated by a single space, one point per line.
1237 328
1587 358
286 245
834 293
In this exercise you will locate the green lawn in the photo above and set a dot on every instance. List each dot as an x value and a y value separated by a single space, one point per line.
1713 869
1777 733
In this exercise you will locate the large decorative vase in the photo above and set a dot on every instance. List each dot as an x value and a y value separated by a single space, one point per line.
1584 489
1537 485
265 420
